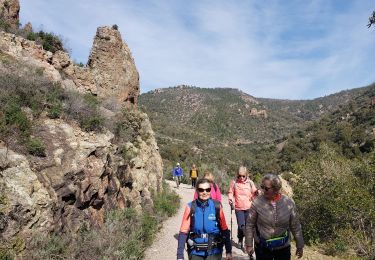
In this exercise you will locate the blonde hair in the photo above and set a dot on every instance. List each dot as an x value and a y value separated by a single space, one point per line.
243 169
208 175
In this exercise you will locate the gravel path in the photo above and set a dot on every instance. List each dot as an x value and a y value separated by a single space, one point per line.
165 245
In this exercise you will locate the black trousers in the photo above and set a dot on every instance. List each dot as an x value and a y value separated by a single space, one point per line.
241 216
263 253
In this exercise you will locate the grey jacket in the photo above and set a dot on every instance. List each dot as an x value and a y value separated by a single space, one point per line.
273 223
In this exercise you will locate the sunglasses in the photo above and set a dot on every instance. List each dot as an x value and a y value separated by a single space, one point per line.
202 190
265 188
241 176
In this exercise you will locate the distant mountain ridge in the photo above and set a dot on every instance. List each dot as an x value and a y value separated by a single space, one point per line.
223 122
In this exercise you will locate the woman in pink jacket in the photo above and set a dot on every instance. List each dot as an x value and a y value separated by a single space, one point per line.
242 192
215 191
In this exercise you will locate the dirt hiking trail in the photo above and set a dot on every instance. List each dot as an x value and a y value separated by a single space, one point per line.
165 243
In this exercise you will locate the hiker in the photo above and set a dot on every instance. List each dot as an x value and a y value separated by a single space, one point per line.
177 173
272 217
242 192
193 175
215 190
204 228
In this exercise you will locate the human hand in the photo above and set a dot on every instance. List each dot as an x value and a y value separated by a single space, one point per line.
228 256
299 252
249 250
231 206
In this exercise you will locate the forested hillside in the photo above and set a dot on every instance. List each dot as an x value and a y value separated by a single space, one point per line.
226 127
333 161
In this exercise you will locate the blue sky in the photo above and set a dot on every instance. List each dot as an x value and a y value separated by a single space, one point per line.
295 49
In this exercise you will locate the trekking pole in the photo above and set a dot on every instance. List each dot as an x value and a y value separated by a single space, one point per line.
231 222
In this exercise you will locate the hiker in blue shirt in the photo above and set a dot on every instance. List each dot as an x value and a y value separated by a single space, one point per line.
177 173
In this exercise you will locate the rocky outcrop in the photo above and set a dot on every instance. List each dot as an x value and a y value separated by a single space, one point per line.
9 12
82 176
113 67
258 113
110 74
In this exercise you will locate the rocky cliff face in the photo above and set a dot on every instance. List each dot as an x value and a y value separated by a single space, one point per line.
84 174
110 74
9 12
113 66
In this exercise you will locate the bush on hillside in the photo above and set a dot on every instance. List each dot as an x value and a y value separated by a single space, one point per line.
333 202
24 98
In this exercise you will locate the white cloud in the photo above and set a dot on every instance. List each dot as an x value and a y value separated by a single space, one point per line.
273 49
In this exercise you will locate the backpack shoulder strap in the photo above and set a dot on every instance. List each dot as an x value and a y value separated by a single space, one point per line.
217 211
192 214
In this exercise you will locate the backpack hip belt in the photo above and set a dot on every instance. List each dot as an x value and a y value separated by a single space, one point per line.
214 241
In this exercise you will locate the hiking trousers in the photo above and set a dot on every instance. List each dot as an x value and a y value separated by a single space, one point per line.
193 182
263 253
241 216
209 257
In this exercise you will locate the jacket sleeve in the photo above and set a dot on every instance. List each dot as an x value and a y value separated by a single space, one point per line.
181 245
295 226
185 225
190 173
184 231
173 172
231 192
225 232
250 226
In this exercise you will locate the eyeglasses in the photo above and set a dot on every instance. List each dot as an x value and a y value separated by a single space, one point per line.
202 190
241 176
265 188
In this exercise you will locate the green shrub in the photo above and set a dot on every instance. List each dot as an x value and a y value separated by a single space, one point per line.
4 26
120 215
92 124
166 202
331 198
55 110
36 147
31 36
15 117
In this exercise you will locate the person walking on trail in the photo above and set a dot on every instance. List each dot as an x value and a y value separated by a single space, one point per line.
272 217
215 190
242 192
193 175
177 173
204 227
